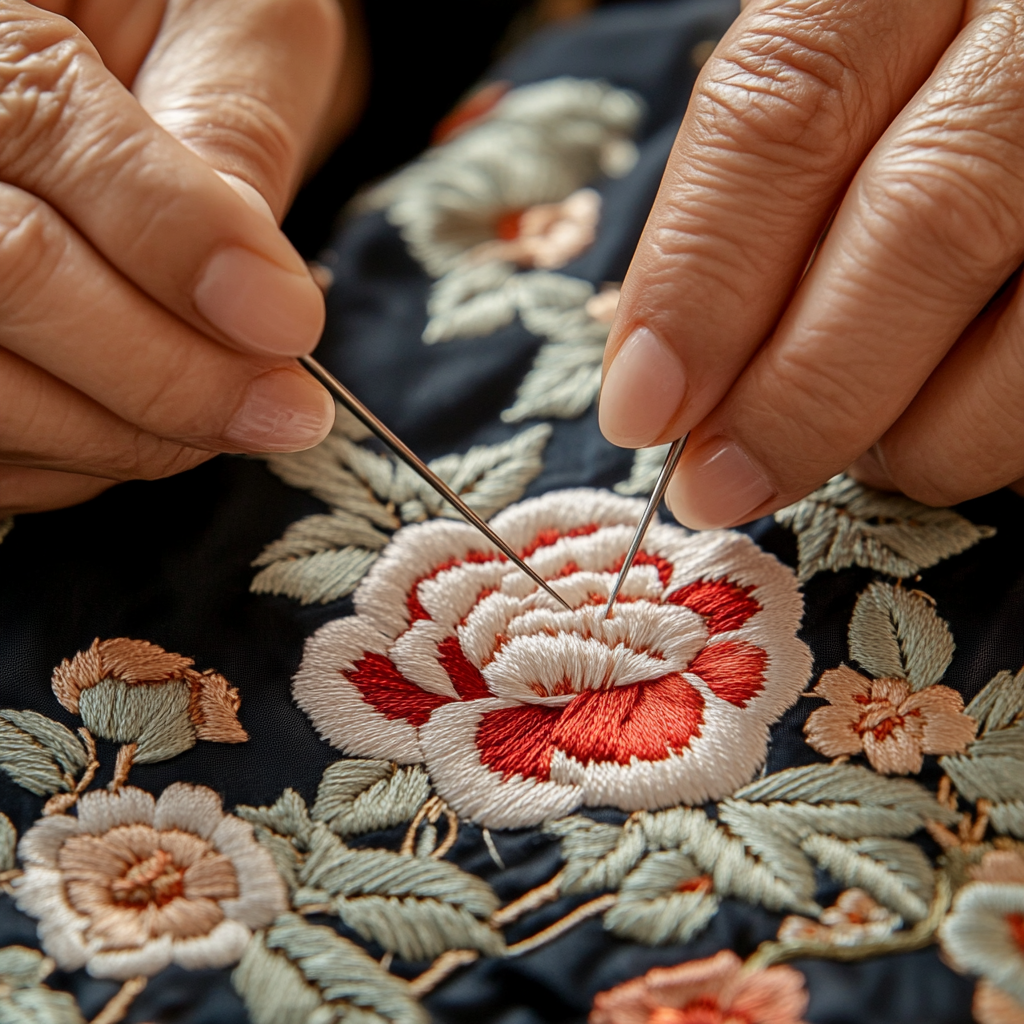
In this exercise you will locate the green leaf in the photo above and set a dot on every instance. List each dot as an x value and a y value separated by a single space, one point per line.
319 578
1008 818
1000 703
897 633
733 870
28 762
359 796
845 523
993 767
59 740
8 848
339 870
21 967
317 533
287 816
652 909
597 856
896 873
23 997
418 929
298 973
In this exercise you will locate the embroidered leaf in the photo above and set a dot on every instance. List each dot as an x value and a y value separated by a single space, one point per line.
323 577
896 873
734 872
665 899
1008 818
319 533
338 870
8 846
897 633
643 475
23 997
417 929
1000 702
29 761
287 816
471 301
357 796
845 523
993 767
597 856
566 374
58 740
298 973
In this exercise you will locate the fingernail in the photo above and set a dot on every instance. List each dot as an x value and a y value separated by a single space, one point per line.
717 486
260 305
282 411
642 390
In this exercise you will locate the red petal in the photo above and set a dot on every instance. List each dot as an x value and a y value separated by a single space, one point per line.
723 604
466 678
733 670
647 721
386 690
517 741
469 111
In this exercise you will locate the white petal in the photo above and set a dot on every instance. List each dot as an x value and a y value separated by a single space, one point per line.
121 964
334 704
414 654
100 811
473 790
221 948
42 842
194 809
261 892
565 510
449 596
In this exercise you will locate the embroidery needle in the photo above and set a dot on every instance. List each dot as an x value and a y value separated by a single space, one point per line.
409 457
671 461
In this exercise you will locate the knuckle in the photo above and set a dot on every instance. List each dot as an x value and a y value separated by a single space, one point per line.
32 245
40 58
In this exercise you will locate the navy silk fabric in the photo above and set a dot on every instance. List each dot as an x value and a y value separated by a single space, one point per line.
169 562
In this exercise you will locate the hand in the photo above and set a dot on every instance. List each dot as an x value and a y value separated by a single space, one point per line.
149 304
902 347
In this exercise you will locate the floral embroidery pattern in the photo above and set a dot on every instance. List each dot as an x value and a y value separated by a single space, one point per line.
131 884
712 991
896 719
523 711
854 918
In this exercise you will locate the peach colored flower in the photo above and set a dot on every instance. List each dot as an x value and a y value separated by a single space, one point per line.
887 722
1005 865
208 701
855 917
131 885
994 1006
712 991
548 235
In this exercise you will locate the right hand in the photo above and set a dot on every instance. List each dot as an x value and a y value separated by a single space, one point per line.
150 307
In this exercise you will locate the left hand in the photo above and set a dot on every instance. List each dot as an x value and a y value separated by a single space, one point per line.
901 350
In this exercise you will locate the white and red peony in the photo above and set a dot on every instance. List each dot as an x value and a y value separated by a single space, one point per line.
523 711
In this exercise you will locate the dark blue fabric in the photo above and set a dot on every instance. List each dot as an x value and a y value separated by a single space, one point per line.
169 562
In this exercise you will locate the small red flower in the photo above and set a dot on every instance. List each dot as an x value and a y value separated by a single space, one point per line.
523 711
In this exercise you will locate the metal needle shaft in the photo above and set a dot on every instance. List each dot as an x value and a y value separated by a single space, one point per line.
409 457
671 460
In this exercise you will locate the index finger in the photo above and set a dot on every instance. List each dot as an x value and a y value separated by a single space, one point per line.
73 136
782 114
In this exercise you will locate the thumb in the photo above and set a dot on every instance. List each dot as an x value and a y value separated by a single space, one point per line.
245 86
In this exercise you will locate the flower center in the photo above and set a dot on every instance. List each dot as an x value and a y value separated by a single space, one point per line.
702 883
155 880
1016 925
704 1010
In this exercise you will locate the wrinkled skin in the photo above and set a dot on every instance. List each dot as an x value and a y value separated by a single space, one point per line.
900 350
140 141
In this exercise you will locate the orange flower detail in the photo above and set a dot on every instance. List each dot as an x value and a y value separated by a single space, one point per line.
855 917
213 702
1001 866
712 991
886 721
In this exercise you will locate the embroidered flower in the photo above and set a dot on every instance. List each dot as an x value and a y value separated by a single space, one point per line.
992 1005
523 711
712 991
1004 865
131 884
885 720
854 918
131 691
984 932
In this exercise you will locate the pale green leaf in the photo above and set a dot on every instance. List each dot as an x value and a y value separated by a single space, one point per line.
8 848
318 578
58 739
29 764
287 816
39 1005
597 856
845 523
643 474
338 529
897 633
1008 818
993 767
359 796
21 967
1000 702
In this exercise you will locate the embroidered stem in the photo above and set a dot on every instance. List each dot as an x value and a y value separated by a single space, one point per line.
123 765
450 836
444 965
117 1009
528 901
560 927
59 803
433 805
6 877
386 959
921 935
491 848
